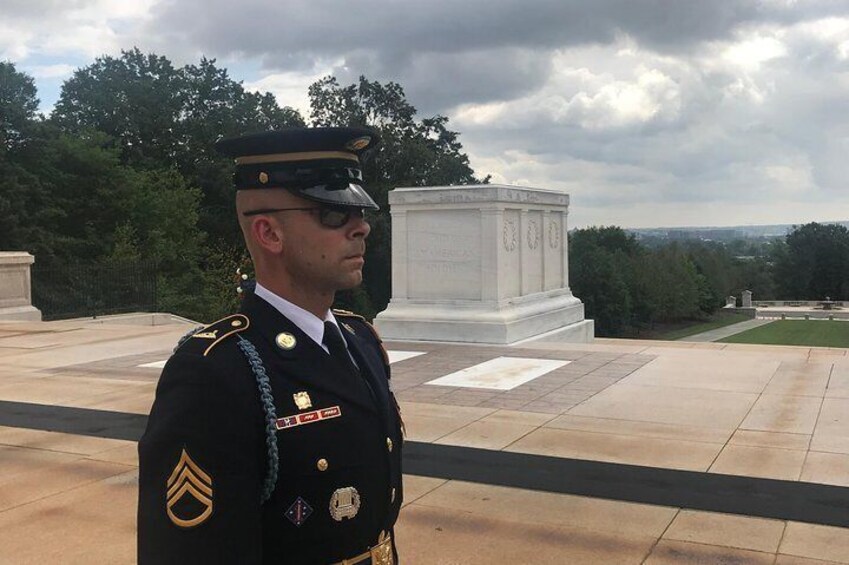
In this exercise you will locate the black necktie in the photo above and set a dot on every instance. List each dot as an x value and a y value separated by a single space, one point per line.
337 348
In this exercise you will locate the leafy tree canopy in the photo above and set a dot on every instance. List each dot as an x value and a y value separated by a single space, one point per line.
166 117
815 263
18 105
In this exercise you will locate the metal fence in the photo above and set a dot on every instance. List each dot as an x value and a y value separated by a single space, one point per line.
64 291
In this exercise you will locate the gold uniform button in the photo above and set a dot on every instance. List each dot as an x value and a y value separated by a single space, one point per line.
389 444
321 464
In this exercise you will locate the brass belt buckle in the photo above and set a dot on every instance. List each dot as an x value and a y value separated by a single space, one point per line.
381 554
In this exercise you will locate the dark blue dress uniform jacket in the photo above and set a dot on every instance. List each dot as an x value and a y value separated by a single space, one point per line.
204 457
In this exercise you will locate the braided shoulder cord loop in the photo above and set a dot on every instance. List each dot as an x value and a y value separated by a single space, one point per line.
183 339
267 400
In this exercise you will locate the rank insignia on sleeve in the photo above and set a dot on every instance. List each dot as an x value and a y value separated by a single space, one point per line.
302 400
308 417
188 500
299 512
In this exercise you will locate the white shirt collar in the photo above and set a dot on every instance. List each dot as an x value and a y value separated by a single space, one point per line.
306 321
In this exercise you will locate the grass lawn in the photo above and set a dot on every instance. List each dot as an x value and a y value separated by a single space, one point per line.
718 320
815 333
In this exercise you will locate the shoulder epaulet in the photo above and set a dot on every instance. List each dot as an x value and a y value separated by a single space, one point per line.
203 341
347 314
371 328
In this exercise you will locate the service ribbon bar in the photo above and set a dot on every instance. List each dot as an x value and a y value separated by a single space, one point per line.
308 417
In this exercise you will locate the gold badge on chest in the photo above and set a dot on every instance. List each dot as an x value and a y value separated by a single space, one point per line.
285 341
302 400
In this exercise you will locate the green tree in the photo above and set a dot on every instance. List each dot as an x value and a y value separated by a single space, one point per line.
597 278
161 224
164 117
76 193
815 263
413 152
216 106
135 99
601 275
18 187
18 105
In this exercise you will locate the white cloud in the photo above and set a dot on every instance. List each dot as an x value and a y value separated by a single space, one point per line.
751 53
290 88
53 28
59 70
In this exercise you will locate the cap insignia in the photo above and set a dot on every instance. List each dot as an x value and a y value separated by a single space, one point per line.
263 177
358 143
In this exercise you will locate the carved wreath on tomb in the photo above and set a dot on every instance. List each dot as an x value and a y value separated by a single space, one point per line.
510 235
533 234
553 235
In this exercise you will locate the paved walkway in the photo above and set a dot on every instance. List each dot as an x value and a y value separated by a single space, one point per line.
726 331
712 420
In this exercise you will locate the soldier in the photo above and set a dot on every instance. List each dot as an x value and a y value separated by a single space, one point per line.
274 436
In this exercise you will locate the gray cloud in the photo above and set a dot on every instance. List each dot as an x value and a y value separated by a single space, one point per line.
422 40
647 111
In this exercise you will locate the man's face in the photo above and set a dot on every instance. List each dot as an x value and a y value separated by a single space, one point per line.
318 257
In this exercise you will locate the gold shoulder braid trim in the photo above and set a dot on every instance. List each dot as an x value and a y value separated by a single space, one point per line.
188 478
348 313
222 329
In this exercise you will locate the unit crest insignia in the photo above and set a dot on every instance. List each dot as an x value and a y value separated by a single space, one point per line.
285 341
299 512
188 500
302 400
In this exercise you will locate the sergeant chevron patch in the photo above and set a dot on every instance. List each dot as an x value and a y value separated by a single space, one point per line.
188 500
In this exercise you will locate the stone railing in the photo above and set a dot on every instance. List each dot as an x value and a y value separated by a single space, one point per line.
16 286
796 303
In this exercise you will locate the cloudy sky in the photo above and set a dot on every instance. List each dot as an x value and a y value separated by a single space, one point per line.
648 112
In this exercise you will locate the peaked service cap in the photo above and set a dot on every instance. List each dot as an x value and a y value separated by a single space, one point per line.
319 164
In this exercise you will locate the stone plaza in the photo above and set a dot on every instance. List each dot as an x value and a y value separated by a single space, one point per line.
527 441
664 451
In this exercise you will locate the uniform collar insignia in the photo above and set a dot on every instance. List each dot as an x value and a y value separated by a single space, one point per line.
285 341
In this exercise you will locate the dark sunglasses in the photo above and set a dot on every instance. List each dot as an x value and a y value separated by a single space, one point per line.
327 216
